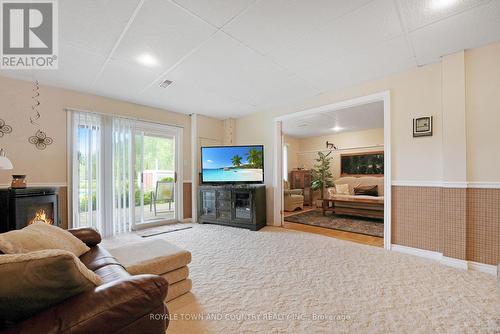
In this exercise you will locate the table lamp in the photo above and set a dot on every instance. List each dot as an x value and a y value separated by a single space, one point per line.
4 161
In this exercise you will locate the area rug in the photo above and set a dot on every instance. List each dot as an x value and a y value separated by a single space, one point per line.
149 232
283 281
366 226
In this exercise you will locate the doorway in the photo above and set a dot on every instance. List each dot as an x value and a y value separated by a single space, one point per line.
378 207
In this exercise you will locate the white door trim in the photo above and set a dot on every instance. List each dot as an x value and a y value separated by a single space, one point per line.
385 97
166 131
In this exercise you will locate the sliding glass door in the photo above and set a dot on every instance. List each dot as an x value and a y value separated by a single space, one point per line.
125 173
155 176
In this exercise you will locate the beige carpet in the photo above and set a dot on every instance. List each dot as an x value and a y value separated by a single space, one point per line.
281 281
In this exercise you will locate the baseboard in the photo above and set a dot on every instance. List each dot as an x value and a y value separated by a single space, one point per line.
482 267
417 252
455 263
447 261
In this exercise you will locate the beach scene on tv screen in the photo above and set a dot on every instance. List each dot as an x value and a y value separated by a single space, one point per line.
233 164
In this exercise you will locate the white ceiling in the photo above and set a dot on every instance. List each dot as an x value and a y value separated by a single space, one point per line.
230 58
364 117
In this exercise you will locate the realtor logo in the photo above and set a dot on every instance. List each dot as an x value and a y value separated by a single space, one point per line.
29 34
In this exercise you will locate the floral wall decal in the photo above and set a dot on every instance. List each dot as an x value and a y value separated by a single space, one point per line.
40 139
4 128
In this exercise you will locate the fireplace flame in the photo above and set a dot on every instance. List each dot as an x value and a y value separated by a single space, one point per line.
41 216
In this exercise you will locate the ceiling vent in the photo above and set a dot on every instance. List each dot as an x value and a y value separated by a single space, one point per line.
166 83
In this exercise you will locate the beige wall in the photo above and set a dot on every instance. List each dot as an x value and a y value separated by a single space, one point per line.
49 166
293 150
210 132
483 113
345 142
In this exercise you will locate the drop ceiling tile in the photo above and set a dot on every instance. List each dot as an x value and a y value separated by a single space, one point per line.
361 29
189 99
387 58
470 29
123 80
229 68
165 31
94 25
271 23
77 70
217 12
418 13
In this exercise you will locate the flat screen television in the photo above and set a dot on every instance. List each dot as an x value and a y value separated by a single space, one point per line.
232 164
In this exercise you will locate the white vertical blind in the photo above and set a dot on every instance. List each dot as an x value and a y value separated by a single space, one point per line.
123 170
86 170
102 156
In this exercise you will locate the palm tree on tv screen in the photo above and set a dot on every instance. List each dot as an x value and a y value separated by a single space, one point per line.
255 158
236 160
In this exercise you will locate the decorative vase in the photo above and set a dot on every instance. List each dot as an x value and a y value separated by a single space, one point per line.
18 182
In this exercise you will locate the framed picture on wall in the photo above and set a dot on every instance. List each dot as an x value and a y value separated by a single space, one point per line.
422 126
366 163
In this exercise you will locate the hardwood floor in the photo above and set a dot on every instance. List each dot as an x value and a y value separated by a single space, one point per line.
292 213
354 237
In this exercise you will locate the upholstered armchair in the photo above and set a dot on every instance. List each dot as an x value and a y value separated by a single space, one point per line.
293 198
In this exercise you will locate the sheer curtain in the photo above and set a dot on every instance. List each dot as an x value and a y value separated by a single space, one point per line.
86 170
123 176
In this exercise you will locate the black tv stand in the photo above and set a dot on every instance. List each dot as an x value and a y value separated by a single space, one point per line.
242 205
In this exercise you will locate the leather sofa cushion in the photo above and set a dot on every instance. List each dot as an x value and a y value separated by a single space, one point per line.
41 236
32 282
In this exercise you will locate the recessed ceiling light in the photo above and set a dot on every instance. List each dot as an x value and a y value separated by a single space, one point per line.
147 59
441 4
337 128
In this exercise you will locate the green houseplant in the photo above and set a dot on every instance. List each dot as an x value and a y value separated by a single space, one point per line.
321 173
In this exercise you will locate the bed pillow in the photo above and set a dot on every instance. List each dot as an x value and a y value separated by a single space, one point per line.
366 190
41 236
32 282
342 189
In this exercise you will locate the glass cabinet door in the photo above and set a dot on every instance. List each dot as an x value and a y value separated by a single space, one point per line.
243 206
207 203
224 204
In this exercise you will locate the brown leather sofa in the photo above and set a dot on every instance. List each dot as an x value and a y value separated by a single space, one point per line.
122 304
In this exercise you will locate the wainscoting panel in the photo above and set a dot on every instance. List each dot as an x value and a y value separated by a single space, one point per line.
460 223
63 207
416 215
483 225
454 219
187 199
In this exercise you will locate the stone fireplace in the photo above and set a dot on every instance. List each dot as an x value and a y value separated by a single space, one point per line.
21 207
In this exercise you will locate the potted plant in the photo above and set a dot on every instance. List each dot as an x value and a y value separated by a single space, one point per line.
321 173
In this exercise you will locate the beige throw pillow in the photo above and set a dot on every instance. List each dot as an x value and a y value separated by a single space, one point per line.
32 282
40 236
342 189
